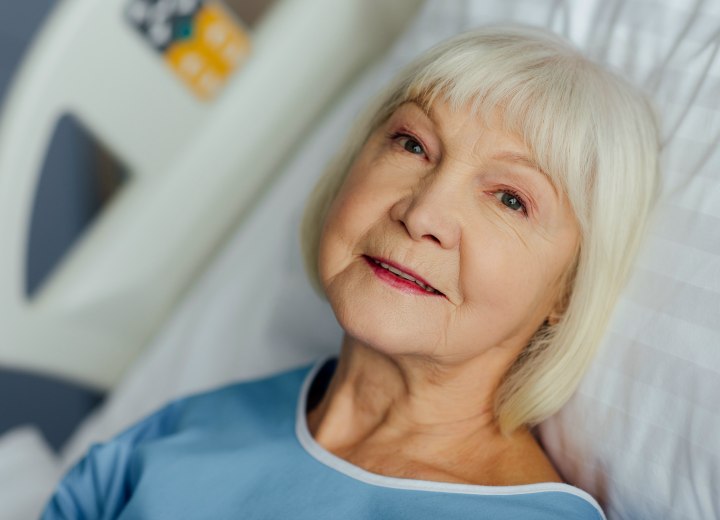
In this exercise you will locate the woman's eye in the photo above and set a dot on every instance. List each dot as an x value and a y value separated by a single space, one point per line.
511 200
409 144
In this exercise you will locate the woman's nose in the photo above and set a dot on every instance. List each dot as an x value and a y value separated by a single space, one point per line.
430 212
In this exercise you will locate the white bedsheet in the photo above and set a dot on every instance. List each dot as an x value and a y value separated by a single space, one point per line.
29 470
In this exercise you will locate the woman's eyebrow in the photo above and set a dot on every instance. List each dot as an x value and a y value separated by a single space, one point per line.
419 106
518 158
524 160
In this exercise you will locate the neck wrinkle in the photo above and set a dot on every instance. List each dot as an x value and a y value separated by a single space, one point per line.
373 399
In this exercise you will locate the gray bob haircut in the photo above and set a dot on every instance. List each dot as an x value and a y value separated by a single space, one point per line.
595 136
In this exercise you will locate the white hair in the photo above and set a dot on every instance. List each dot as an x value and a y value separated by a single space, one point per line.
595 136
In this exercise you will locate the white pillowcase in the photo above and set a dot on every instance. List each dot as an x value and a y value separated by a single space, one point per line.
642 434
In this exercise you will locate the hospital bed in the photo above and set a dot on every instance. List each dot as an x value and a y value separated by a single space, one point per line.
192 275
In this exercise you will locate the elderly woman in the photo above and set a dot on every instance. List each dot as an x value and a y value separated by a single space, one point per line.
471 239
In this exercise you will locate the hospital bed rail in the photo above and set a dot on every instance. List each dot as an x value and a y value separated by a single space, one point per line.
195 166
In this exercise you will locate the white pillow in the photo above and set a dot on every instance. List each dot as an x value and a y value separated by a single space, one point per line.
643 432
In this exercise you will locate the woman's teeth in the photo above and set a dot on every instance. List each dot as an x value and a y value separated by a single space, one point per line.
406 276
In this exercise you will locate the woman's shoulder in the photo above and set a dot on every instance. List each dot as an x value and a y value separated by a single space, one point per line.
522 469
240 411
256 390
241 401
272 394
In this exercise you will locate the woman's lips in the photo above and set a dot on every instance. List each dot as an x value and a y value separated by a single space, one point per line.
400 278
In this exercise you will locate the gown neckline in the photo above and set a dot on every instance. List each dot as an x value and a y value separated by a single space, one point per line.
319 453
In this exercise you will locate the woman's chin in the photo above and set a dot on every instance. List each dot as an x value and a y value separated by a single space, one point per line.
385 330
383 317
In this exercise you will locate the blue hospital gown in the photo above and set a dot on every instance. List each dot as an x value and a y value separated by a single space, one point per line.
244 452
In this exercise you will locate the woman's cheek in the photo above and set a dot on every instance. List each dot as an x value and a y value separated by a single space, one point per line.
493 266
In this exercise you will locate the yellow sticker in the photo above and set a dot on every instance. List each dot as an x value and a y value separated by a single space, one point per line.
202 42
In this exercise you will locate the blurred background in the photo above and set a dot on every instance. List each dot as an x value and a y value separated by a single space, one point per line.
79 177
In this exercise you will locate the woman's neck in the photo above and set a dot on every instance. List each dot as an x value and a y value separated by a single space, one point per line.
415 408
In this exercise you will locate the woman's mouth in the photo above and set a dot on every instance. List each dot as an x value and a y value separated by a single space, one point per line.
399 278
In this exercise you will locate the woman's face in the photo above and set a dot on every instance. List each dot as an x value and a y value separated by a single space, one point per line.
461 207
